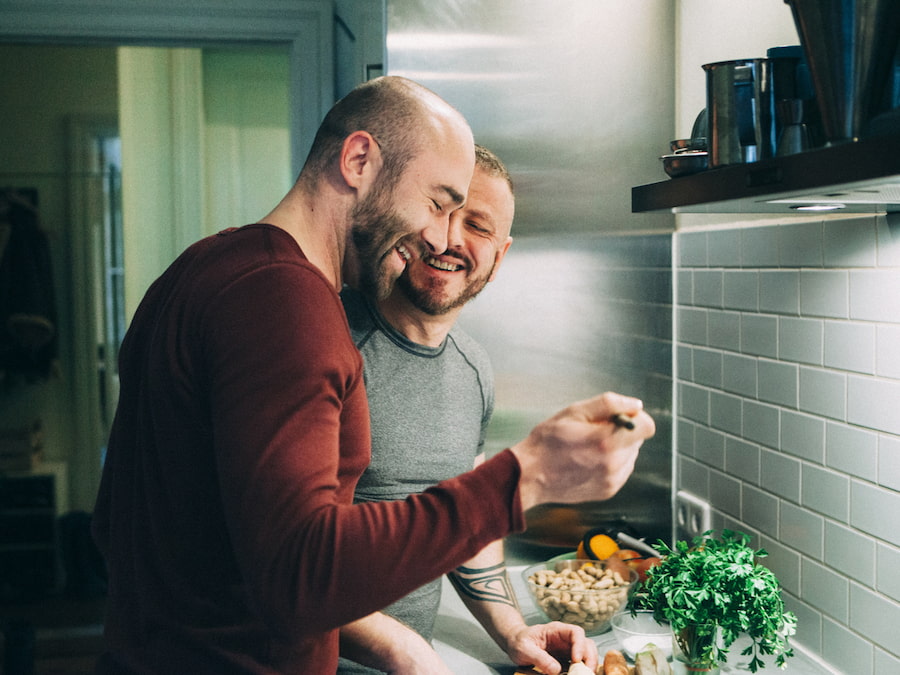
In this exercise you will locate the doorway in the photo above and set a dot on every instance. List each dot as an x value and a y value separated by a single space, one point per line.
301 27
206 145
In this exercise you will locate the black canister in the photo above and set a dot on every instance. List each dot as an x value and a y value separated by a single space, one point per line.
797 124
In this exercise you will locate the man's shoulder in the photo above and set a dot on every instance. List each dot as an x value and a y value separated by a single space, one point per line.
234 252
469 348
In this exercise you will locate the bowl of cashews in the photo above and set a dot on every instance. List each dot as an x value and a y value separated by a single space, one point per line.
586 593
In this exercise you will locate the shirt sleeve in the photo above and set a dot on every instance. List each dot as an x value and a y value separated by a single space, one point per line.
290 425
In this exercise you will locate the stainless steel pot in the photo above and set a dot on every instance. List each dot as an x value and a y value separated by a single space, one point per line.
740 105
849 46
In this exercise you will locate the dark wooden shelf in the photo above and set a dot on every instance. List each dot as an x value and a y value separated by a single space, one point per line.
863 175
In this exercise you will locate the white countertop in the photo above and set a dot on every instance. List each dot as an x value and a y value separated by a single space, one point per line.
468 650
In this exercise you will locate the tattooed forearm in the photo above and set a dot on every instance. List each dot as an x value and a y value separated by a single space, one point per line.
487 584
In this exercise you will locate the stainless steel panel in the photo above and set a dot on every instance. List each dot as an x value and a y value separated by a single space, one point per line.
568 318
571 96
574 96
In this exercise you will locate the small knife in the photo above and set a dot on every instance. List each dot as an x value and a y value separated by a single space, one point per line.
624 421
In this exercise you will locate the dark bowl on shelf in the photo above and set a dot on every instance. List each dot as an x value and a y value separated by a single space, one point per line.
687 144
685 163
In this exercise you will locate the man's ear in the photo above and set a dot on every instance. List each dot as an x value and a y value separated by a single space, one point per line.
360 159
501 254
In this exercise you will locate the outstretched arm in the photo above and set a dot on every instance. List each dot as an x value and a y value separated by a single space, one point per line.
484 586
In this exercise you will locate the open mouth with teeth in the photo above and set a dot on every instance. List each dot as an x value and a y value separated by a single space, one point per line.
404 252
431 261
442 264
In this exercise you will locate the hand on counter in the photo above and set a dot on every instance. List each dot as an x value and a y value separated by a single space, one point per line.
535 644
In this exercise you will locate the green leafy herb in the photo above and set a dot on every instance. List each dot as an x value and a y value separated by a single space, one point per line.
718 582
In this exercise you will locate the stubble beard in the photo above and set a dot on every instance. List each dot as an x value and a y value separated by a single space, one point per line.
375 230
431 297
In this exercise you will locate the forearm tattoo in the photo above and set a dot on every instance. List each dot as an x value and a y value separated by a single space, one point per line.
487 584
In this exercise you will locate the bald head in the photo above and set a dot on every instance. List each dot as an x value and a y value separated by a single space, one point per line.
402 116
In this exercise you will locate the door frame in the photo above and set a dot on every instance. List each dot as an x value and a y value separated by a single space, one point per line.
304 25
86 213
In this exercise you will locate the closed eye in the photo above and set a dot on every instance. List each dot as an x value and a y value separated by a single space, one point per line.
480 221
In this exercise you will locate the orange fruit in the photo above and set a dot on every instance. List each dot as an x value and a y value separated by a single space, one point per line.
597 546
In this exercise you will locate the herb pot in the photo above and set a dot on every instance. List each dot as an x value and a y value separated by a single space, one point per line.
693 650
713 591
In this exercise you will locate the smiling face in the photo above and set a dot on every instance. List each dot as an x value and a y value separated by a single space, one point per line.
412 212
478 238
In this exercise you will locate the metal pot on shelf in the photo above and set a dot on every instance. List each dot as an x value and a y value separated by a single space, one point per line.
740 104
850 47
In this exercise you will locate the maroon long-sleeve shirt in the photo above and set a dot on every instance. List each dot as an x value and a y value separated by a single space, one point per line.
225 511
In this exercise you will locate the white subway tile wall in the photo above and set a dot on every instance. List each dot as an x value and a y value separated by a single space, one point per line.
787 357
568 317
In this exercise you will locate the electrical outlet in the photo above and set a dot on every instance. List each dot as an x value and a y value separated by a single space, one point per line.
692 515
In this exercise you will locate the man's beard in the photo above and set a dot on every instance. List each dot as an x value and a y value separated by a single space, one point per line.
375 229
431 297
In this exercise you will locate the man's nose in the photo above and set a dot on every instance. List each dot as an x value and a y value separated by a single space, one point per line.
437 234
455 230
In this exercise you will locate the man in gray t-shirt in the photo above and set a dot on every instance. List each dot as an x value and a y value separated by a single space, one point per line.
431 395
429 407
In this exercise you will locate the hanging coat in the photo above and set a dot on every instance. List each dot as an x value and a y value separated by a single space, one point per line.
28 328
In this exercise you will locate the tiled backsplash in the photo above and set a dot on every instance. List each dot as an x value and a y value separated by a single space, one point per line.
788 407
569 317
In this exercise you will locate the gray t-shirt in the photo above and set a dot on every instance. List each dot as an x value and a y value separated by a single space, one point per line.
429 407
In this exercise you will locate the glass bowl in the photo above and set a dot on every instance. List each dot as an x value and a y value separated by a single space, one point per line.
635 631
586 593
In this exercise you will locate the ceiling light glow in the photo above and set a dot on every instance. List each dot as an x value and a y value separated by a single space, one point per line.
819 207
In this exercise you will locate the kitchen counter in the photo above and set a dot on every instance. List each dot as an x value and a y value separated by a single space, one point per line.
468 650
